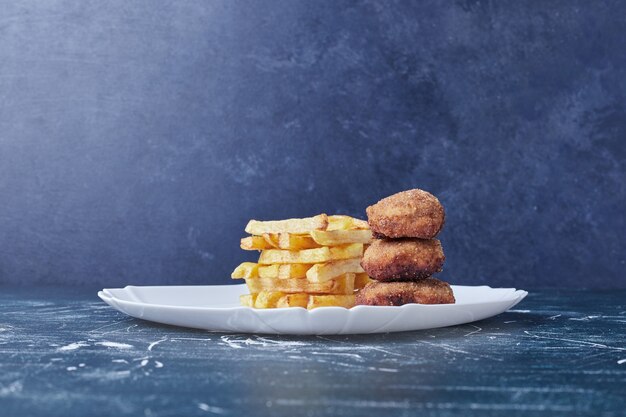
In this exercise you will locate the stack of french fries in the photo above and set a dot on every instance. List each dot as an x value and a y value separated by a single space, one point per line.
311 262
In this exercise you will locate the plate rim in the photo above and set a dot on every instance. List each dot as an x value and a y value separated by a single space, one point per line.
516 295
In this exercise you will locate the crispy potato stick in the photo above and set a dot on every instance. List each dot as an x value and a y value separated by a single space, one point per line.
267 299
343 284
293 300
290 241
255 243
361 280
340 222
341 237
284 271
297 226
311 256
271 239
247 300
316 301
329 270
246 270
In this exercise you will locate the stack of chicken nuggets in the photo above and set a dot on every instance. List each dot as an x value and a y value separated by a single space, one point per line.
310 262
405 253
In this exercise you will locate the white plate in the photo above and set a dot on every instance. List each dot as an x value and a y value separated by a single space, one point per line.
216 308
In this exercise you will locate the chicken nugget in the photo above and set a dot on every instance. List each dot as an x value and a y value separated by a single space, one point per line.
425 291
411 213
403 259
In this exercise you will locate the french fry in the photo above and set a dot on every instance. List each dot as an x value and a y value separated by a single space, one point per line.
361 280
290 241
343 284
316 301
267 299
311 256
293 300
255 243
247 300
297 226
341 237
329 270
271 239
246 270
284 271
340 222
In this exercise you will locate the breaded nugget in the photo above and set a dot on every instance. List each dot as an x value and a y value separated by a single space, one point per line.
403 259
412 213
425 291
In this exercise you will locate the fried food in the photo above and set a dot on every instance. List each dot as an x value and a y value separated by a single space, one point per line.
311 262
290 241
425 291
341 237
329 270
403 259
246 270
342 284
267 299
293 300
256 243
284 271
247 300
340 222
296 226
277 299
311 256
316 301
361 280
413 213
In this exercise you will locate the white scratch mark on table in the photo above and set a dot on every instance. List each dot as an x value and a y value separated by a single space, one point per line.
13 388
115 345
236 343
211 408
73 346
351 355
156 342
353 345
478 330
110 324
580 342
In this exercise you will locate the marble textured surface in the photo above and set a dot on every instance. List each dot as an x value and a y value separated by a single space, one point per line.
558 353
137 138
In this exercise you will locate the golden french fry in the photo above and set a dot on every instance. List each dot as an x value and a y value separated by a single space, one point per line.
329 270
311 256
361 280
284 271
341 222
343 284
316 301
297 226
293 300
255 243
341 237
271 239
267 299
246 270
290 241
247 300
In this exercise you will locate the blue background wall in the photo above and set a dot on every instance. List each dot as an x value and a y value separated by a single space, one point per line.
137 138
